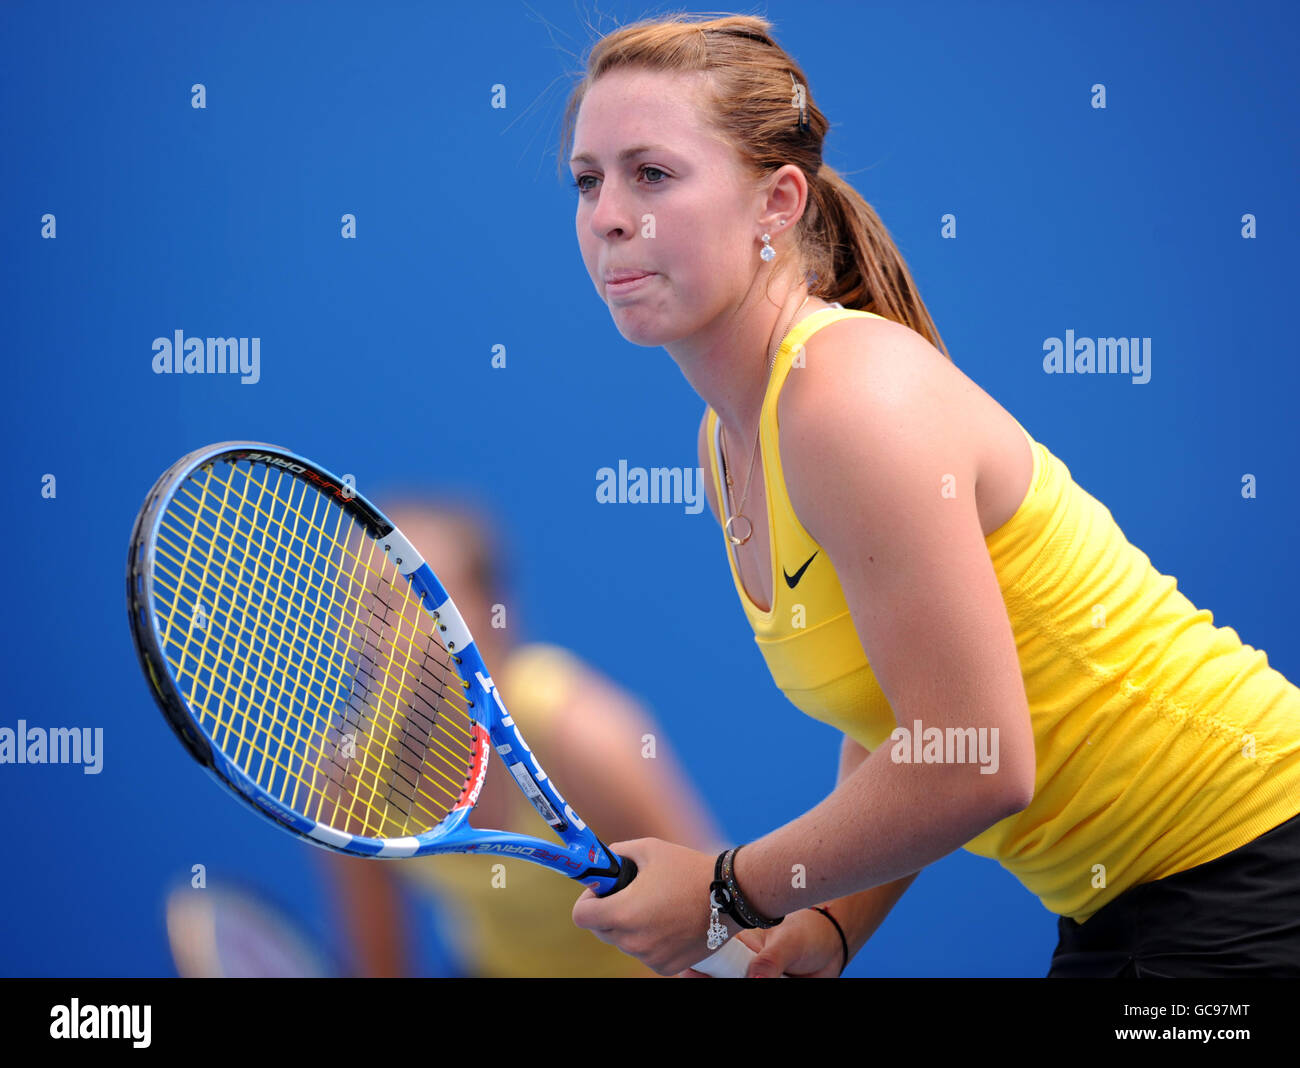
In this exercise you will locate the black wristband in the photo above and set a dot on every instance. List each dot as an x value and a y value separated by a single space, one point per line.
725 895
844 942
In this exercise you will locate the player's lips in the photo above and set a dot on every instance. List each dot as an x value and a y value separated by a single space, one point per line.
619 282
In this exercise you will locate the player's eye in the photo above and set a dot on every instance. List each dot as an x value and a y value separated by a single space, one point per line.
577 183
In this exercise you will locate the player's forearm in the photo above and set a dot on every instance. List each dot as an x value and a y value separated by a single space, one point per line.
885 821
860 915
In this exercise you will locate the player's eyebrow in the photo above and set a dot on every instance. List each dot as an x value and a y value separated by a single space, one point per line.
627 153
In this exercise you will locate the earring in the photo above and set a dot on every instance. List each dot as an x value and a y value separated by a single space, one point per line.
767 252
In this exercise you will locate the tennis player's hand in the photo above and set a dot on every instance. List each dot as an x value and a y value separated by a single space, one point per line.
803 945
662 916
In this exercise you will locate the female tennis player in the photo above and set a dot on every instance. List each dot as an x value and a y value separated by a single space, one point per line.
1011 675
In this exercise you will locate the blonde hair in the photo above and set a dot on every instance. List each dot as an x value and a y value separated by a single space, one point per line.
842 246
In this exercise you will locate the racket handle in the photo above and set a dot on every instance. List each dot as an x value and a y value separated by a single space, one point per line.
730 962
626 873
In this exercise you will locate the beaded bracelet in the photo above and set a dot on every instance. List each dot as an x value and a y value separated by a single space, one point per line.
725 896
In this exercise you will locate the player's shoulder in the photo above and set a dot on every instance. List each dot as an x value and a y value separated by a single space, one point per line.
868 374
862 351
870 398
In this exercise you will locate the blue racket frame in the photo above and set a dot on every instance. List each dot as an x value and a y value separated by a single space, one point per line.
580 855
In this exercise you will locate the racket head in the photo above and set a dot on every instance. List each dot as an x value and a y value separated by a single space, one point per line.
272 612
321 616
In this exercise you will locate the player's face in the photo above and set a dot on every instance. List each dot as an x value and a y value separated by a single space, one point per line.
682 210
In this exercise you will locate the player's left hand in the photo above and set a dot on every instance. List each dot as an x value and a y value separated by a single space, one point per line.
662 917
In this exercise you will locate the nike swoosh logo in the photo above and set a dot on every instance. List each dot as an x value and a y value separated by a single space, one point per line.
793 580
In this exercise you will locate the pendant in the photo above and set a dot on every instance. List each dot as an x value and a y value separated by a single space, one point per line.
732 537
717 931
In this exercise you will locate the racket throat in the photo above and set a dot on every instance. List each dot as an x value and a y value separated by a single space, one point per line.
536 797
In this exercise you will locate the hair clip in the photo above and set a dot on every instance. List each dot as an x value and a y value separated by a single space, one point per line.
800 96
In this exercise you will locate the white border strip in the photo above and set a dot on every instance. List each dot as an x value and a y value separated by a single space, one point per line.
401 552
454 633
399 847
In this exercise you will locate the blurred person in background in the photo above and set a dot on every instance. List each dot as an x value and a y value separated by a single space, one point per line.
508 917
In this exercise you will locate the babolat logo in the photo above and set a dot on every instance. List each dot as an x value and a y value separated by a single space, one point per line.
528 851
482 771
277 461
344 491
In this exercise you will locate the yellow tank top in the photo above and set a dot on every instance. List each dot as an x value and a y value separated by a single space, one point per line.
515 921
1162 740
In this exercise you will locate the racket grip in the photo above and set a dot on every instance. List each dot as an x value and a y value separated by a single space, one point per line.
626 873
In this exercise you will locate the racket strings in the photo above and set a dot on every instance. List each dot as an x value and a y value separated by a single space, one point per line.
365 754
425 700
309 660
255 596
430 751
409 761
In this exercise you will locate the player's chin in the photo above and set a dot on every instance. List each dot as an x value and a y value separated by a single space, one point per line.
642 321
639 330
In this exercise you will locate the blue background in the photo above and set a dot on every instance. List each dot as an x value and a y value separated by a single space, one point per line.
375 361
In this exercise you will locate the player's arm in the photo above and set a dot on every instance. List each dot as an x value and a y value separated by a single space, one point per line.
872 434
862 913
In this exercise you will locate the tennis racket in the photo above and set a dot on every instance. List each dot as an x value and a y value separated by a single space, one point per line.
308 657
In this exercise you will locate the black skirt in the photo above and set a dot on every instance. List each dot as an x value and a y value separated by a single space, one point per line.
1235 916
